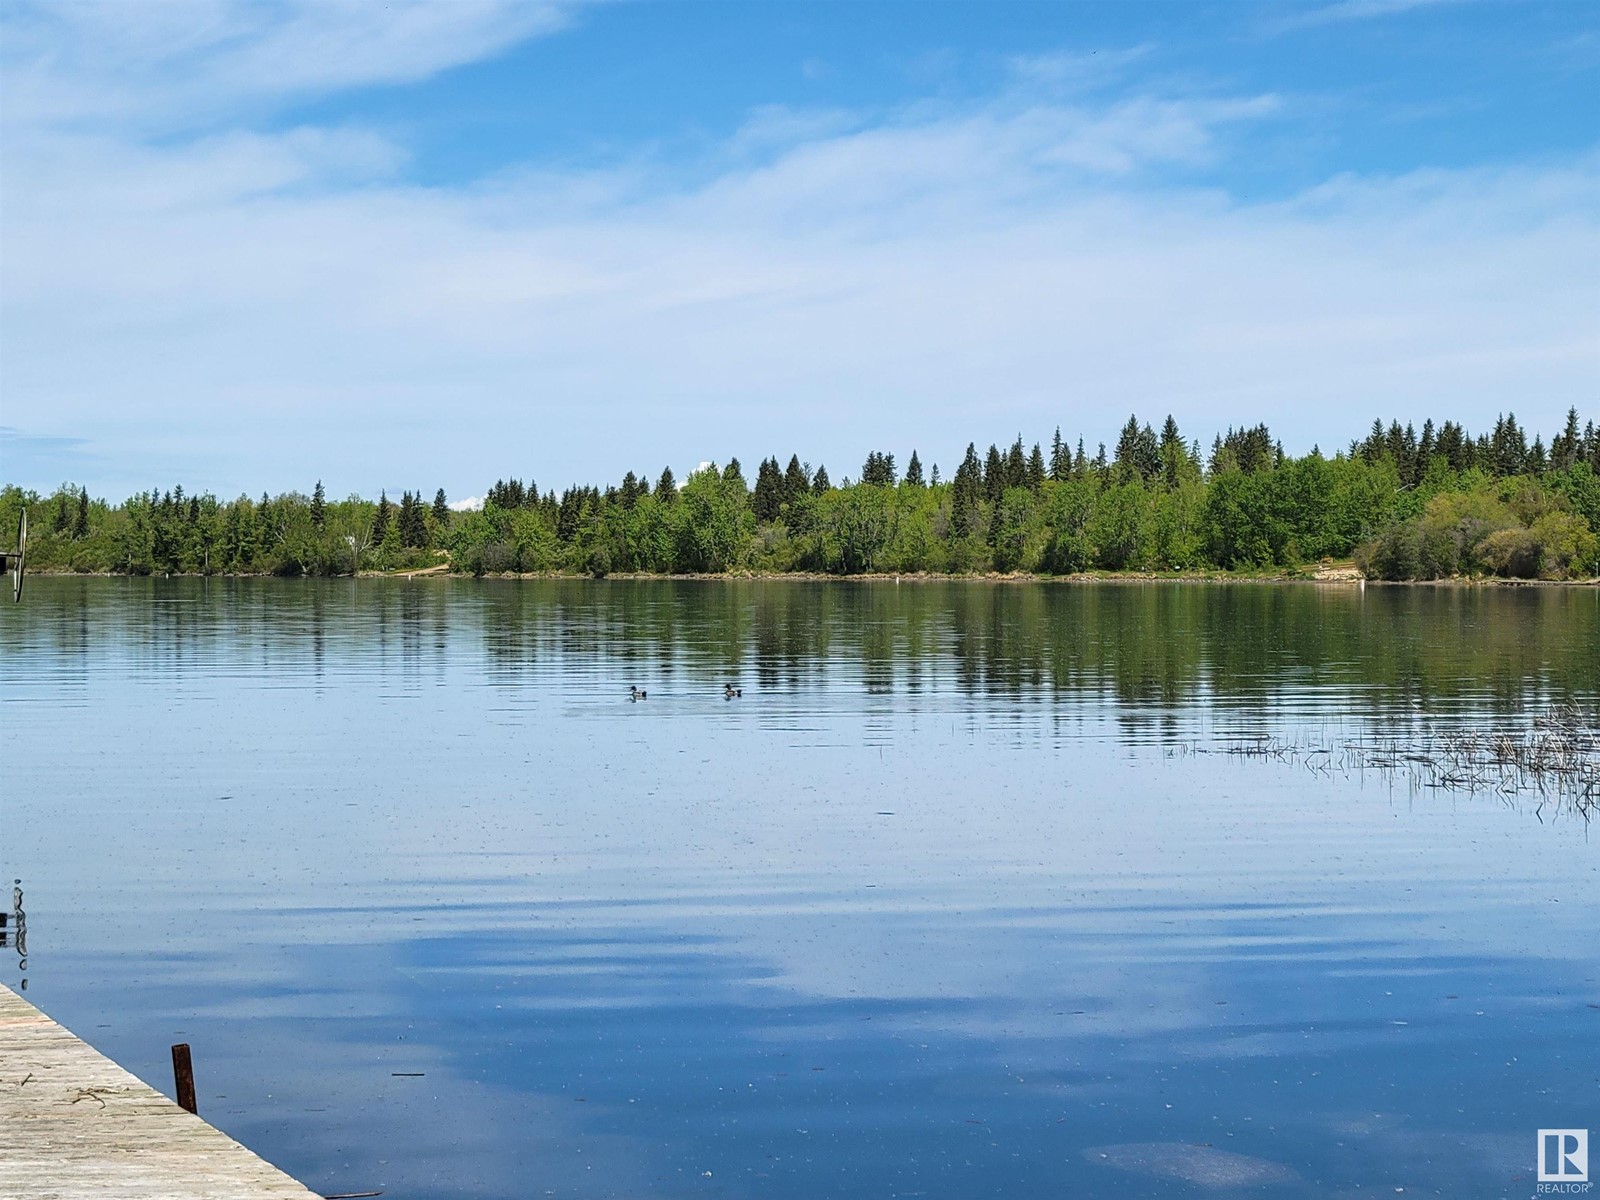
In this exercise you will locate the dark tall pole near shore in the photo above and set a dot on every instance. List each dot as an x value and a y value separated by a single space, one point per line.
183 1074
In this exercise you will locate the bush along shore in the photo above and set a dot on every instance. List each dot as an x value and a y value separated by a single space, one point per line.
1402 504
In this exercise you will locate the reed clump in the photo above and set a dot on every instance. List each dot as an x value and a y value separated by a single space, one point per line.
1555 757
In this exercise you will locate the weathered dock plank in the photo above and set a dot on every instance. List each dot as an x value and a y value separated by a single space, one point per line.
73 1124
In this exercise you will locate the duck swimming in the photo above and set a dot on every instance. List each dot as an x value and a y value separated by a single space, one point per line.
637 693
729 692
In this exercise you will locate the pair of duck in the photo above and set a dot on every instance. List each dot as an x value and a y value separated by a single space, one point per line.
729 692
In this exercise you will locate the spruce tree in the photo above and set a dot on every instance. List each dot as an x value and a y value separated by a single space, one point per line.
408 519
994 475
80 526
966 491
796 480
1170 436
1060 459
767 500
1173 453
380 521
667 487
1035 469
319 506
1016 465
1537 461
820 482
914 471
419 520
1567 445
961 504
441 510
266 531
570 517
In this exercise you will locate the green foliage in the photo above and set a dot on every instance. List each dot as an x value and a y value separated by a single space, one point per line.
711 522
1407 504
1513 527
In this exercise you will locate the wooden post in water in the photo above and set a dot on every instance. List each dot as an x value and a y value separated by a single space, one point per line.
183 1073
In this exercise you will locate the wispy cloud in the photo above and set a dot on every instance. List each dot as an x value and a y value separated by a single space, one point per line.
191 63
44 460
1349 10
1076 70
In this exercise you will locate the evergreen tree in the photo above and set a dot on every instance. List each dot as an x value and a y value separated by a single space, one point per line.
380 520
1016 465
667 487
63 514
994 475
80 526
1060 459
407 520
767 501
319 506
1173 453
933 478
966 491
796 480
819 481
1377 442
1138 453
1508 447
570 517
914 471
1537 463
266 527
878 470
441 510
1567 446
1253 450
734 475
1455 446
1035 479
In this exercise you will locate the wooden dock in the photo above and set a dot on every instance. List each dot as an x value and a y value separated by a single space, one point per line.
75 1125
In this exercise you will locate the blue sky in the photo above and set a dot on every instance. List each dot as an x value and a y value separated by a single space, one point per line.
398 245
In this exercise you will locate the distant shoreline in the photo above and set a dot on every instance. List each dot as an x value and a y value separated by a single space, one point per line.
1338 574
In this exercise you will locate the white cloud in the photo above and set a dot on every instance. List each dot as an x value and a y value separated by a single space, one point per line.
1350 10
277 305
467 504
1076 70
188 63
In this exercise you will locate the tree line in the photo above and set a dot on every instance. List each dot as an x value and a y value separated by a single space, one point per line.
1404 503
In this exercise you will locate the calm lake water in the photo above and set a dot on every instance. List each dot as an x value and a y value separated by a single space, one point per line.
952 902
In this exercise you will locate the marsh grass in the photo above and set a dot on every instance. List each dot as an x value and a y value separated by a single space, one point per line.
1554 760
